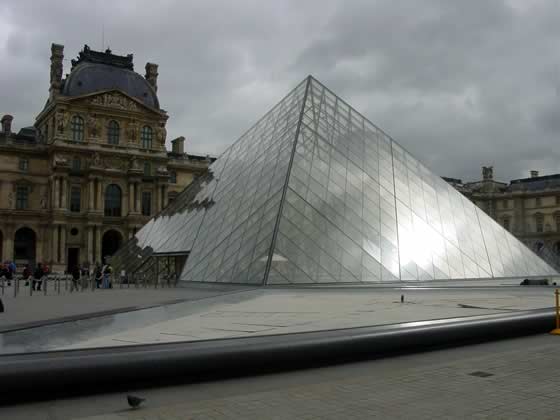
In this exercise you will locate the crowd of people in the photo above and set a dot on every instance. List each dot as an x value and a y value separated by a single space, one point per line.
36 276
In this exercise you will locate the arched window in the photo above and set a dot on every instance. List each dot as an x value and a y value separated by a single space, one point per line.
77 128
147 136
113 132
113 200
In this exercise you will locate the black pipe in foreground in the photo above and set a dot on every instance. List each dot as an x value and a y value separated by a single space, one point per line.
71 372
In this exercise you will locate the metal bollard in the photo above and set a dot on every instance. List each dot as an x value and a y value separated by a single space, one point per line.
3 286
15 286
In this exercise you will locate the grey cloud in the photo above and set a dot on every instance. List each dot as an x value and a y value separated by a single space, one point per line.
459 84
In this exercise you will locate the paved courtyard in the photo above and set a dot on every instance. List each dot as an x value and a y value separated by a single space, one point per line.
518 380
226 313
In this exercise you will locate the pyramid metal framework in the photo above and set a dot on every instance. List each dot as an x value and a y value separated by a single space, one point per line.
315 193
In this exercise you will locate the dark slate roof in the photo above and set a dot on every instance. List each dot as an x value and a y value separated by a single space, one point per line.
87 77
536 183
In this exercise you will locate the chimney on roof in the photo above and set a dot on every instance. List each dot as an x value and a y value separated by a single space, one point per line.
57 55
152 74
178 145
6 122
487 173
534 174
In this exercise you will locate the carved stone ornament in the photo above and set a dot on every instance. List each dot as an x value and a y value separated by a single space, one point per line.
60 121
96 161
111 100
114 163
161 170
134 163
132 130
161 134
93 125
60 160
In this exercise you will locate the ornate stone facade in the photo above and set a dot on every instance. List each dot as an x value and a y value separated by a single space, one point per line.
528 207
93 168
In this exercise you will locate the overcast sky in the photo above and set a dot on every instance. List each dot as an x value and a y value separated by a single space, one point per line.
460 84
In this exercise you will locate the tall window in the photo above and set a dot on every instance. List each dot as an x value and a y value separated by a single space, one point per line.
77 128
173 177
75 199
507 223
22 197
113 201
76 164
147 169
147 136
539 222
538 202
23 165
113 132
146 203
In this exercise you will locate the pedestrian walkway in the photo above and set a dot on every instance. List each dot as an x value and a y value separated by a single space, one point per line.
26 309
511 379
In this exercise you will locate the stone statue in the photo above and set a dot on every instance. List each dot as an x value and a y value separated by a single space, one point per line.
134 163
132 130
162 134
96 159
11 200
60 160
93 125
43 201
60 121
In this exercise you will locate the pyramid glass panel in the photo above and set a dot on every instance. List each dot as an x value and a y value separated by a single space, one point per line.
315 193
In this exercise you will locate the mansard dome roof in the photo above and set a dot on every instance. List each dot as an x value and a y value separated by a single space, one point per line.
95 71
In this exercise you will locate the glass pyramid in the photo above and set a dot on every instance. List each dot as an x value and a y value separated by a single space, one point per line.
315 193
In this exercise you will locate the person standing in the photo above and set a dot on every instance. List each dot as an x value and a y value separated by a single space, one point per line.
38 277
107 270
26 274
75 278
98 275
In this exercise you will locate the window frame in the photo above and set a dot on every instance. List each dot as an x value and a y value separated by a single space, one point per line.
147 137
22 200
109 208
73 208
77 126
146 209
23 164
113 132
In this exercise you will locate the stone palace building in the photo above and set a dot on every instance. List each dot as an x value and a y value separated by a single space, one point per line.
93 168
528 207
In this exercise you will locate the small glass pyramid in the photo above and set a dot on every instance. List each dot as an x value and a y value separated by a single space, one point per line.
315 193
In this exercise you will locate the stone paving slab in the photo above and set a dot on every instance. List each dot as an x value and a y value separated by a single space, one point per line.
277 311
39 308
522 384
220 313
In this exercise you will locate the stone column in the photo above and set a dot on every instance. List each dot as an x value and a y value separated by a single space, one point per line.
8 250
130 197
98 244
155 196
164 196
90 255
137 194
63 244
56 193
55 244
99 195
91 187
64 192
54 204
